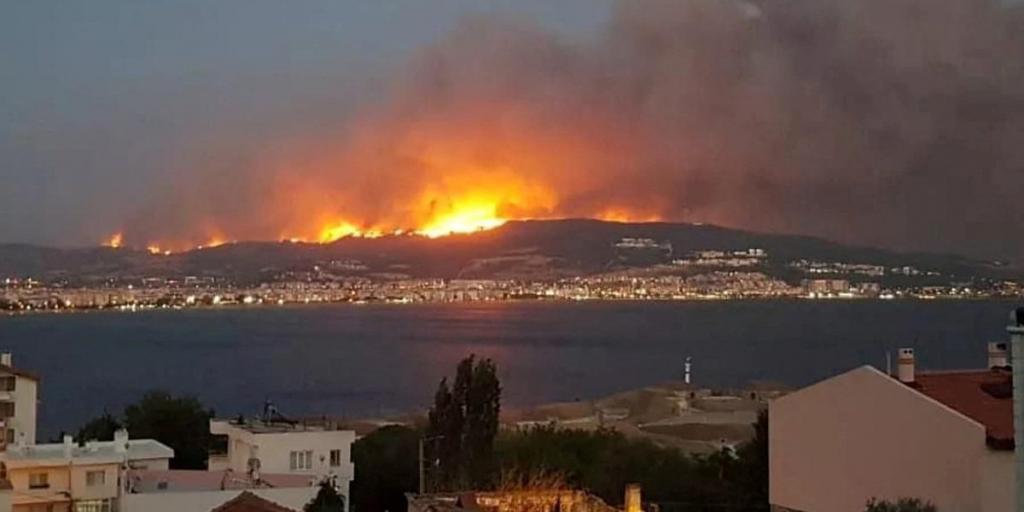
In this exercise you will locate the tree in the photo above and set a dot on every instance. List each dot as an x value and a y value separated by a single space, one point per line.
900 505
327 499
181 423
462 426
752 468
443 440
101 428
387 468
483 405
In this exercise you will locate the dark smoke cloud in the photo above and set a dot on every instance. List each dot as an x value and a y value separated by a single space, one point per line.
888 122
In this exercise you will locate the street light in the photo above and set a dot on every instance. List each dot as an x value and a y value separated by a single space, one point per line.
423 472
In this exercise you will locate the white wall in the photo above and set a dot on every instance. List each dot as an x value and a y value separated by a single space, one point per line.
203 501
862 434
81 491
274 451
25 405
998 485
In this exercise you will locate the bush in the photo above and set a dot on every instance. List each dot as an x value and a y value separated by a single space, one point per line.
900 505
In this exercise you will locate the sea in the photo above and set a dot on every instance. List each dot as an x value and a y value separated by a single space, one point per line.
379 360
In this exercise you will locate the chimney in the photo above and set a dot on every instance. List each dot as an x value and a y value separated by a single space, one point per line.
905 365
1016 330
69 445
998 354
121 440
633 502
6 358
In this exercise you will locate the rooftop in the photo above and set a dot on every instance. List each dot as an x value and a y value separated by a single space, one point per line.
149 481
249 502
982 395
20 373
256 426
137 449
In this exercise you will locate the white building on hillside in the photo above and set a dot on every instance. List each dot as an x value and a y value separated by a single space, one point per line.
18 400
943 437
283 447
66 477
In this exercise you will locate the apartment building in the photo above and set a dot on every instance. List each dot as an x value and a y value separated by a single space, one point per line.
197 490
18 401
944 437
68 477
275 446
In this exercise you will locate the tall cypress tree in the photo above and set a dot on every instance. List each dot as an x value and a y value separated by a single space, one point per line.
483 405
462 426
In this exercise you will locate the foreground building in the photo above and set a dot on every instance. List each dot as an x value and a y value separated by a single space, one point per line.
944 437
272 445
188 490
67 477
18 401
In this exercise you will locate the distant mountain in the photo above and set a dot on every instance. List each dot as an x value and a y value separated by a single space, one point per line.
521 249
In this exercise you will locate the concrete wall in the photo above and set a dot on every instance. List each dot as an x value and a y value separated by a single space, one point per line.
293 498
24 396
25 409
998 485
862 434
81 491
274 452
64 479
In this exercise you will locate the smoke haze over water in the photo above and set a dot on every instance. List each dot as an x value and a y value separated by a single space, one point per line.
888 122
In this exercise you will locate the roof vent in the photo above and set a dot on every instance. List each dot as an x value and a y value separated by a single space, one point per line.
998 355
905 365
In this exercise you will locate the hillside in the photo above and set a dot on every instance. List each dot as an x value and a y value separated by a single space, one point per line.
518 250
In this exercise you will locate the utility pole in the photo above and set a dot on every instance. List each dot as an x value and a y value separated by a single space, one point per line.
422 471
1016 331
422 465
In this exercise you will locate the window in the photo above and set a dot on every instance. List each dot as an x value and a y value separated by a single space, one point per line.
95 478
300 460
106 505
6 409
38 481
8 383
335 458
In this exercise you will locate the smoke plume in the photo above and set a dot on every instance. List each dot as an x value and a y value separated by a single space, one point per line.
888 122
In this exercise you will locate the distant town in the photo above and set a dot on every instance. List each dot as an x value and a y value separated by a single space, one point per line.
698 275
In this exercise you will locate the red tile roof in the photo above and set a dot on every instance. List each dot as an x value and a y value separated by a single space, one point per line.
20 373
982 395
249 502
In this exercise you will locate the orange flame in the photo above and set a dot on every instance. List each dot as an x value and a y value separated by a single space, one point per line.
114 241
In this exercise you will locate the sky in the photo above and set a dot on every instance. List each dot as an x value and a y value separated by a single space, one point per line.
99 95
892 123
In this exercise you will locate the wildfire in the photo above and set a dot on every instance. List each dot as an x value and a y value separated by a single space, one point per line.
155 249
114 241
463 219
623 215
215 241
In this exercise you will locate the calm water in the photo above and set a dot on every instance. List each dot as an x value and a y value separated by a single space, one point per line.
367 360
